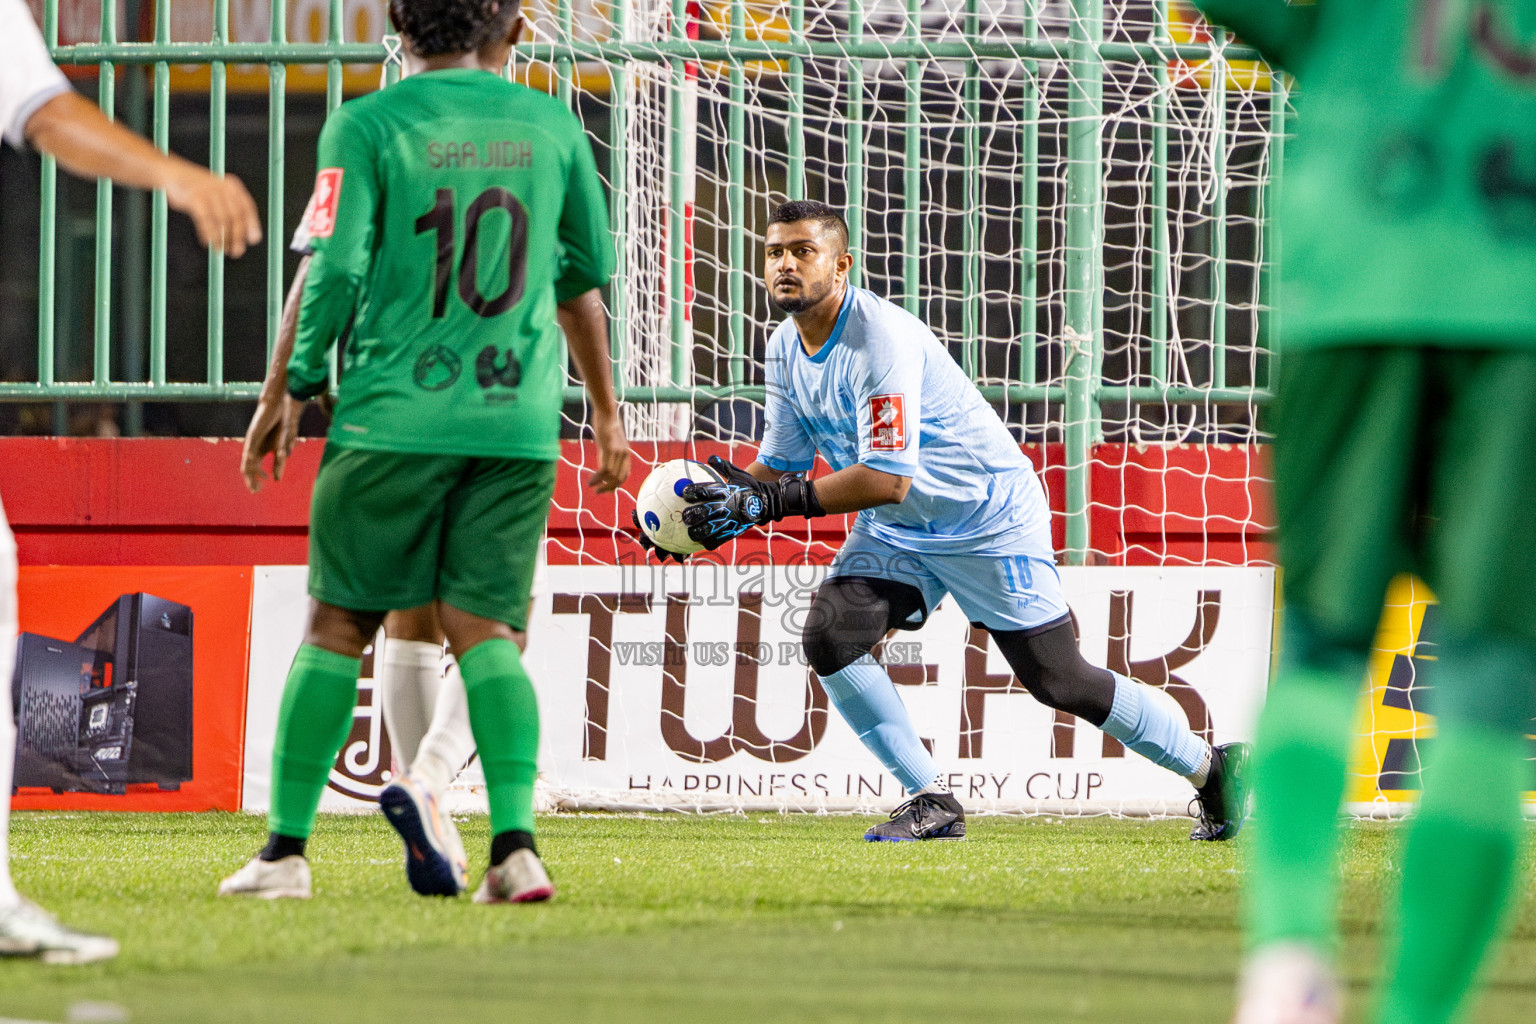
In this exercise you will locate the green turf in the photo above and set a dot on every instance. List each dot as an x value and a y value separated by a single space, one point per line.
672 918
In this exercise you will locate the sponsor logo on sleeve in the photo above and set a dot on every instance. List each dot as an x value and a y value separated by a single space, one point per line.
887 423
322 214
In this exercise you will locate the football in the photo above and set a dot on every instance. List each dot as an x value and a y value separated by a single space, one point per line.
660 503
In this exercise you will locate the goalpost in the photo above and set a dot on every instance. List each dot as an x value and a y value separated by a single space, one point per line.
1073 194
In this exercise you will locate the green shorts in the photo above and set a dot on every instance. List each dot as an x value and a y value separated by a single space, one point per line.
390 530
1392 459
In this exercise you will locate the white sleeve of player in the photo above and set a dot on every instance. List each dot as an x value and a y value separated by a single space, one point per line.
28 76
786 447
888 392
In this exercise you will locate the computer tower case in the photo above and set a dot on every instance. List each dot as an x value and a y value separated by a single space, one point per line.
74 717
149 640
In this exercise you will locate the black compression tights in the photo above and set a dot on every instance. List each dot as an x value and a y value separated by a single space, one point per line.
1052 669
850 614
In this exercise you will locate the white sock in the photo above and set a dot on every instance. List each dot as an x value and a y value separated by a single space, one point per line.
1202 774
450 743
409 675
9 897
938 785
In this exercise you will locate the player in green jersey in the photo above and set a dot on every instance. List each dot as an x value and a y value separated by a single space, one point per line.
1405 427
458 217
426 715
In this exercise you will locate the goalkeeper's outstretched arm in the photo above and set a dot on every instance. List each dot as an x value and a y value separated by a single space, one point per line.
849 490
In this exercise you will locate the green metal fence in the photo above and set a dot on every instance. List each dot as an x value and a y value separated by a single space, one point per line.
1020 102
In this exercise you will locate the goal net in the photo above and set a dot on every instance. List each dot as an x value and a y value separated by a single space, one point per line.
1073 196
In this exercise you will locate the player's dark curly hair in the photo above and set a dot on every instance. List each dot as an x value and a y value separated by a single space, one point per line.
806 209
436 27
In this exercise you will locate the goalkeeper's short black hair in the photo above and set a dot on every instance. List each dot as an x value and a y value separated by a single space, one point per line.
437 27
806 209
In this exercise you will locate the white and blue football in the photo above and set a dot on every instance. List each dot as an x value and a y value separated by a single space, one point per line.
660 503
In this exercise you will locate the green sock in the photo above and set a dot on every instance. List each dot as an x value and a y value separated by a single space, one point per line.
1459 871
504 716
1300 758
314 721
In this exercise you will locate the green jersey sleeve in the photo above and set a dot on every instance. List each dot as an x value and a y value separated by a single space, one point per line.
1278 29
584 234
341 227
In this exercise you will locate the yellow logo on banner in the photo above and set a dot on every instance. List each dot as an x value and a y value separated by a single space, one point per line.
1385 762
1394 720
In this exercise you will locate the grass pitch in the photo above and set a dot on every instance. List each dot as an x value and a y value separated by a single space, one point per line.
674 918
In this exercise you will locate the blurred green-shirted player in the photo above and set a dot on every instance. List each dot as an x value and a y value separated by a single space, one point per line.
1405 440
457 215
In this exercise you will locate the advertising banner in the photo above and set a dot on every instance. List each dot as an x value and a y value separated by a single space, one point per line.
1395 728
129 687
685 687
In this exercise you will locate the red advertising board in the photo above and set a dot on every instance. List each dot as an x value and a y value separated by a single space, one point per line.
130 687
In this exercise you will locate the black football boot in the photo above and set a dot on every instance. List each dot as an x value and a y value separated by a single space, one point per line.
1223 800
925 816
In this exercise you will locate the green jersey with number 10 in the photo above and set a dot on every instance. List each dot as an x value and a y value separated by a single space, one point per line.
452 211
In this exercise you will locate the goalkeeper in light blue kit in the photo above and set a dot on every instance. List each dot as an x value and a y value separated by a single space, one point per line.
947 503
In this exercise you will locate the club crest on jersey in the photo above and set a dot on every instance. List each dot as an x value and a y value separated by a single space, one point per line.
887 423
322 213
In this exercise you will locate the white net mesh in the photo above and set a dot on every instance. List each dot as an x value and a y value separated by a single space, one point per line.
1020 194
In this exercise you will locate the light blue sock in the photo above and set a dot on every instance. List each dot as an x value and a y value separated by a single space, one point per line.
866 698
1153 730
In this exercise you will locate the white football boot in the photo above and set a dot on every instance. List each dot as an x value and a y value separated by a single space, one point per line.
1288 983
434 864
285 879
28 930
520 878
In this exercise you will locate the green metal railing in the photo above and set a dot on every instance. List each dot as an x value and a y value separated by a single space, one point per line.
1080 389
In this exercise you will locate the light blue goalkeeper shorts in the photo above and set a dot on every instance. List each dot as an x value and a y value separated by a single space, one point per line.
1010 585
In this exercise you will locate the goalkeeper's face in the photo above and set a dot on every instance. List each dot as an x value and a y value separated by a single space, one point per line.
806 263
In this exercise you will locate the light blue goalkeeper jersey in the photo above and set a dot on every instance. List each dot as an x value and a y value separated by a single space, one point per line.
884 393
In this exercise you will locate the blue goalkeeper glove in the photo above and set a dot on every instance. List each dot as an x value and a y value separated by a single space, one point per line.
723 511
